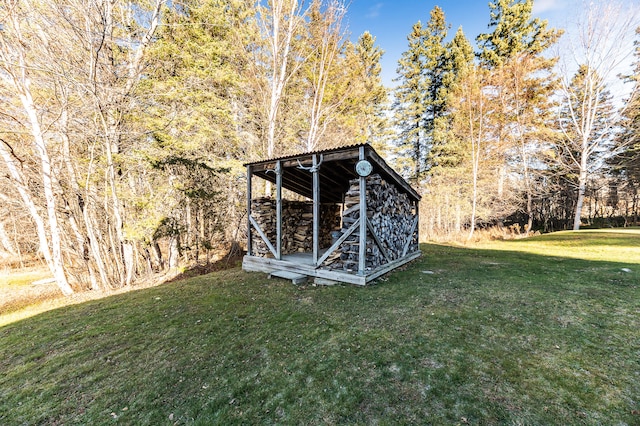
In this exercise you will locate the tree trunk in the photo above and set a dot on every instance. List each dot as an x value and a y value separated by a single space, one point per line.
5 241
56 265
582 187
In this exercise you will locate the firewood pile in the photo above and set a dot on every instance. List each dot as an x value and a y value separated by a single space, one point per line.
391 215
297 225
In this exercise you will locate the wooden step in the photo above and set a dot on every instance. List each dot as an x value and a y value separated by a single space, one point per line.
287 275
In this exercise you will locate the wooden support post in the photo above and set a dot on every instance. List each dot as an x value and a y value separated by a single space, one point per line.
279 210
249 247
316 209
418 218
362 255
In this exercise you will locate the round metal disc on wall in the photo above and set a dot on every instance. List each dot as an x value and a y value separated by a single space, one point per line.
364 168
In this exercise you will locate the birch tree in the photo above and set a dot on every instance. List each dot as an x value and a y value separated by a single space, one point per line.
325 43
69 74
601 49
281 23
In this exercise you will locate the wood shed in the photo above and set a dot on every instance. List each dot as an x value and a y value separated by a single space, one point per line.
354 218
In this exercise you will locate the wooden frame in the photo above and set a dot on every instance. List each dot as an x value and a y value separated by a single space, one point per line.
322 177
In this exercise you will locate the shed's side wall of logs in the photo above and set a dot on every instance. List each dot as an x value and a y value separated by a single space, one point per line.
297 225
391 214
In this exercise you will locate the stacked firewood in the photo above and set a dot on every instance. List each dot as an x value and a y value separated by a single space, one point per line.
391 214
263 211
297 225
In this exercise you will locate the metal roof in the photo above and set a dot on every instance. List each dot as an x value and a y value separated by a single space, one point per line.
336 167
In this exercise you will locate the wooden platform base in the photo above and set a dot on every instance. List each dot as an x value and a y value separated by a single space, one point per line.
298 265
295 278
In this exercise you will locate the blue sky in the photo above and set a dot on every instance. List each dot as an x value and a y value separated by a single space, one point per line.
390 21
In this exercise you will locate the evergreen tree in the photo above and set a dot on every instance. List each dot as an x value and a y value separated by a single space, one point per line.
448 151
625 165
197 144
514 32
369 102
419 98
410 103
448 195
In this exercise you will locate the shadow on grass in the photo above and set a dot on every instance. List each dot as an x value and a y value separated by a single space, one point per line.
232 259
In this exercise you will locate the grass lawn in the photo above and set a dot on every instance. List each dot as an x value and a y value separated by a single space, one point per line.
537 331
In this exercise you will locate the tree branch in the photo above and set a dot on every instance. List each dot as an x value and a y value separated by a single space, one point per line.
12 151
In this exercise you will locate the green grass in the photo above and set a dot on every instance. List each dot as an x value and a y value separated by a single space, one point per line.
498 334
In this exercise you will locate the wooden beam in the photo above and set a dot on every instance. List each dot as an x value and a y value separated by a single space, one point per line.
262 235
316 208
340 240
388 267
408 243
377 240
278 210
418 216
249 246
362 255
262 264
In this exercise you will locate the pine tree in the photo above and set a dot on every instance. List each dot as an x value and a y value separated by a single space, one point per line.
195 104
419 99
410 103
625 165
447 151
369 103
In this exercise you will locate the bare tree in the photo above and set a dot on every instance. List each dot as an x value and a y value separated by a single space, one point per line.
68 74
326 41
599 51
281 22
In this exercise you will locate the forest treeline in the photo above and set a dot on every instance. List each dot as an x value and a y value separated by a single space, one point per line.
124 125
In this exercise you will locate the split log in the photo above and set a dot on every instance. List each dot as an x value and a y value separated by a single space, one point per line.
391 214
297 225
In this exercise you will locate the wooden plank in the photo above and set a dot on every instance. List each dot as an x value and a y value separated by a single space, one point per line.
418 216
324 281
410 237
262 235
378 242
363 223
340 240
249 245
265 265
316 209
392 265
278 210
288 275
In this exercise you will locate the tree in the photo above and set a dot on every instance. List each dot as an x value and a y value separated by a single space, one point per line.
324 48
409 102
69 74
419 98
277 61
625 165
197 108
368 103
447 192
523 86
598 53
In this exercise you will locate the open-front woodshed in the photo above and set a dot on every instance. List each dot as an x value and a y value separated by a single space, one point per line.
355 220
